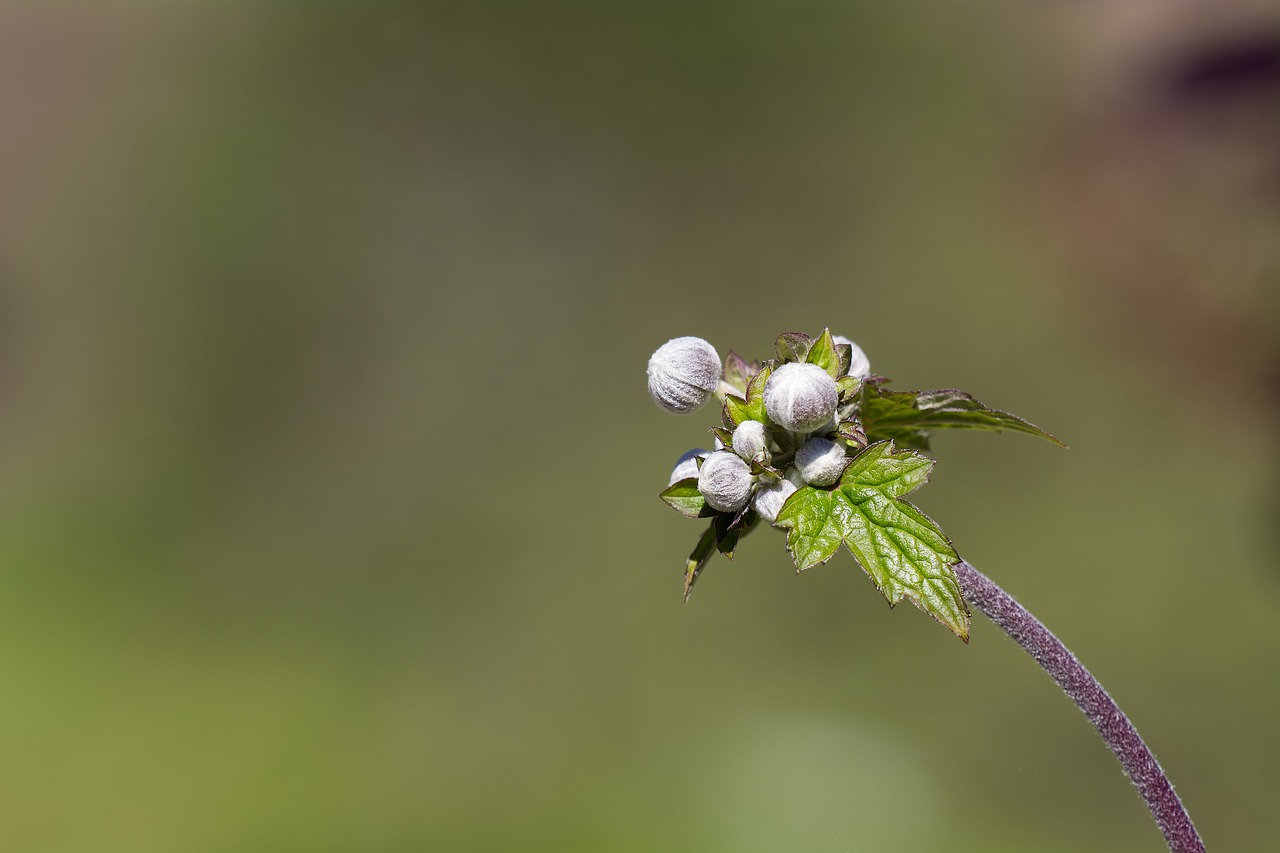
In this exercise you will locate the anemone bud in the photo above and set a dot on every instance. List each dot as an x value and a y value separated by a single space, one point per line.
686 465
749 440
800 397
860 365
820 462
770 497
683 373
725 481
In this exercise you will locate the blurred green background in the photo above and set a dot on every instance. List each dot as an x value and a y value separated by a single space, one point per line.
329 476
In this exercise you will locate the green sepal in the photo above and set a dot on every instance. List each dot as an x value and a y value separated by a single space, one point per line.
852 432
751 408
792 346
845 353
734 411
725 436
737 373
849 387
729 528
684 498
823 353
902 550
698 559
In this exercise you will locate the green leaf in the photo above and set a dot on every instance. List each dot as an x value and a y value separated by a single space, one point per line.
730 528
816 524
698 559
904 552
685 499
735 411
845 353
848 386
751 408
907 416
823 354
792 346
736 372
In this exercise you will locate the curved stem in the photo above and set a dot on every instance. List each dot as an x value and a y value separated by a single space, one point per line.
1056 659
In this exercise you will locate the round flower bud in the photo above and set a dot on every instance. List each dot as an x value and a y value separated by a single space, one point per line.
820 462
859 365
687 465
683 373
800 397
725 481
749 440
770 497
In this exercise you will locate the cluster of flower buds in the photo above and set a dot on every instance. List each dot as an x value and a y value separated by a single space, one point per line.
788 422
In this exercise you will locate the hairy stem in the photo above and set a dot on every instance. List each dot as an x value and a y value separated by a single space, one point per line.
1056 659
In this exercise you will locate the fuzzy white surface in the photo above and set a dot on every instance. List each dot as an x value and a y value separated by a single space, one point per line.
725 481
800 397
820 462
768 499
683 373
687 465
749 440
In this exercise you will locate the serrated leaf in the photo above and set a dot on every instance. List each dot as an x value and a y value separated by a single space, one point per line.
792 346
816 525
685 499
698 559
907 416
823 353
904 552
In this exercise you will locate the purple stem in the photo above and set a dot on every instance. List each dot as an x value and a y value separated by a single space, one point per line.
1056 659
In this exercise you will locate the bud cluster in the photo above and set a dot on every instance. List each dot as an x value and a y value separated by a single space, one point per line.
788 422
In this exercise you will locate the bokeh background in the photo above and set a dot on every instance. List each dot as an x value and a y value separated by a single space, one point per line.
328 476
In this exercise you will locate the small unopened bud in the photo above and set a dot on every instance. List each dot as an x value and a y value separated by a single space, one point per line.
860 365
725 481
683 374
820 462
687 465
800 397
770 497
749 440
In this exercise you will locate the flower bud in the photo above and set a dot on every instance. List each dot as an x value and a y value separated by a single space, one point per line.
820 462
683 373
800 397
770 497
725 481
860 365
749 440
686 465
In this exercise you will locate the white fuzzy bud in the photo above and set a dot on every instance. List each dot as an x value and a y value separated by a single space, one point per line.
749 440
770 497
820 462
683 373
800 397
860 365
687 465
793 477
725 481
